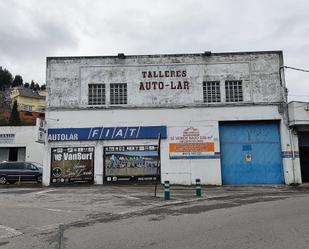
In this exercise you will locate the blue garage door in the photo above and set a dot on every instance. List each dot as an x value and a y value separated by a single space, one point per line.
251 153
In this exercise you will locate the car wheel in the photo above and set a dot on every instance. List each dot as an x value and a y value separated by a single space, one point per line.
39 179
3 180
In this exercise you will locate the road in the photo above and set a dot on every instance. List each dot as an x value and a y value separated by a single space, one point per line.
246 217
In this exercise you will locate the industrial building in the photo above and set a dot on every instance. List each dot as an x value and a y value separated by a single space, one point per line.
221 117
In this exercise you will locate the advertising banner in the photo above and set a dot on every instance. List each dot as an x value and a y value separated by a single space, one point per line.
131 163
7 138
106 133
72 165
191 142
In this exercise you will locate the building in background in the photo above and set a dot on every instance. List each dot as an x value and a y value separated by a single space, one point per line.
299 123
222 118
18 143
31 103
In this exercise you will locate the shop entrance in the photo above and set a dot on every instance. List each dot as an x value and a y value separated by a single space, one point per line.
13 154
303 141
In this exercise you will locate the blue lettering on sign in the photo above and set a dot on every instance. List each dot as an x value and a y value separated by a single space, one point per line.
106 133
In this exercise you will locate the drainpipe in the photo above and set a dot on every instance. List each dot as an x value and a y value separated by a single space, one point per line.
293 155
281 71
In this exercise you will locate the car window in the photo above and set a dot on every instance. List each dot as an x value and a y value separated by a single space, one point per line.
19 166
7 166
33 167
27 166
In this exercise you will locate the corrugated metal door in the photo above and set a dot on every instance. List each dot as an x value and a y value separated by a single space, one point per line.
251 153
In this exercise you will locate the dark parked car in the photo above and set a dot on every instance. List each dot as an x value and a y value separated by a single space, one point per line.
20 171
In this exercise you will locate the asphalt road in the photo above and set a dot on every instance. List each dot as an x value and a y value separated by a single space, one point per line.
129 217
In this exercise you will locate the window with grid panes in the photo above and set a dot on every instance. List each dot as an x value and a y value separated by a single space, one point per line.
211 91
96 94
118 93
233 91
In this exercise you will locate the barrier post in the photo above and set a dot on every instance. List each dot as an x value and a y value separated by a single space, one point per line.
198 189
167 194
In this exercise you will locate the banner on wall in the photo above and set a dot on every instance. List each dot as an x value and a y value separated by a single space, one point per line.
191 142
134 163
7 138
72 165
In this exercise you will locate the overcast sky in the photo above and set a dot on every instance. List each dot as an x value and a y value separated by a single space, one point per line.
31 30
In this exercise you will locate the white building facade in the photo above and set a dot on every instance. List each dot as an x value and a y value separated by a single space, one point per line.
222 118
299 126
18 143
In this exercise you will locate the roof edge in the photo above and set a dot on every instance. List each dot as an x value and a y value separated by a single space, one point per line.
280 52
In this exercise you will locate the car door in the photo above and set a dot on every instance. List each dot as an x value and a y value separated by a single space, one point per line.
29 173
14 171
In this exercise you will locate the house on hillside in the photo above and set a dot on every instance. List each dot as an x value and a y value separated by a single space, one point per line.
31 104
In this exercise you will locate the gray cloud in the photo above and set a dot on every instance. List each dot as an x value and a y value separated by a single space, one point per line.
31 30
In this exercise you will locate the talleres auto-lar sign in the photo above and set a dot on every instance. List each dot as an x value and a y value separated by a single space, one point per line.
72 165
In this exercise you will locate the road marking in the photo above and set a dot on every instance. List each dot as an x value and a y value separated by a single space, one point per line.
10 232
49 227
55 210
126 196
44 191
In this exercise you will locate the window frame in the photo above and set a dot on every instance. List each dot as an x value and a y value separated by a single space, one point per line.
96 94
118 93
211 91
234 91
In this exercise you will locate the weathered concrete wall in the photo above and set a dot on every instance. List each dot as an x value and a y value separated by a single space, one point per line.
299 113
68 78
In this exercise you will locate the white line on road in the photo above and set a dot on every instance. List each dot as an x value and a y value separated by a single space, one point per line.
9 232
49 227
44 191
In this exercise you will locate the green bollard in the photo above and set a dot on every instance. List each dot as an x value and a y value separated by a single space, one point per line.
198 189
167 194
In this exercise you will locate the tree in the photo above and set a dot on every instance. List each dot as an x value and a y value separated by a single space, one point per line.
14 118
26 85
32 85
36 87
18 81
5 79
